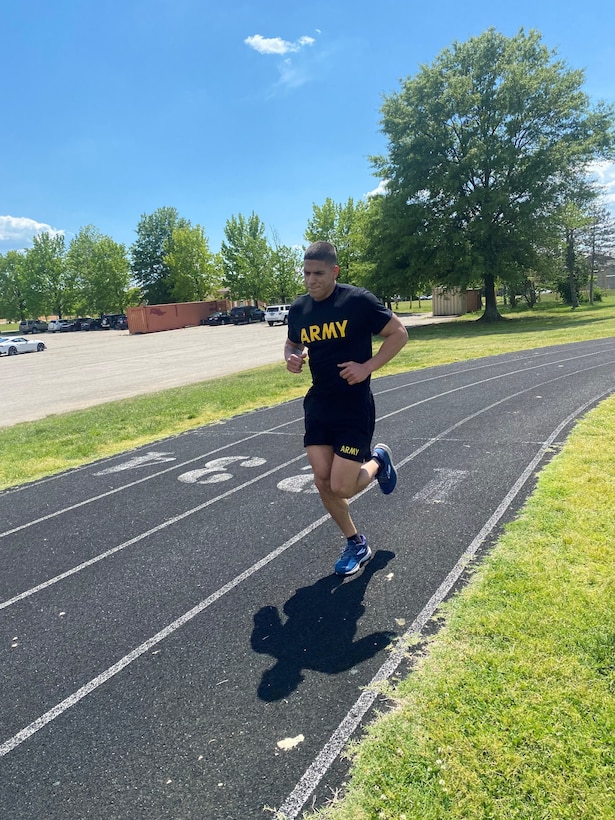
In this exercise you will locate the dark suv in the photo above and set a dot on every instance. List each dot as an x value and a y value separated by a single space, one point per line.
32 326
114 321
247 314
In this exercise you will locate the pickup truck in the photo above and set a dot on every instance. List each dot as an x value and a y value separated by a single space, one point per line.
277 313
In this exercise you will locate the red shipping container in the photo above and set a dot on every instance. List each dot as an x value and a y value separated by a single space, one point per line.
153 318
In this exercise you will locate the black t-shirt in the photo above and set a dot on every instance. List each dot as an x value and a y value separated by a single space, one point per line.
337 329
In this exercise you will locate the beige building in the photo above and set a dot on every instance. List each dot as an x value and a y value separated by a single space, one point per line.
605 271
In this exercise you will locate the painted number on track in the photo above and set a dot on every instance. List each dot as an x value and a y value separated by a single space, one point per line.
299 483
152 457
216 471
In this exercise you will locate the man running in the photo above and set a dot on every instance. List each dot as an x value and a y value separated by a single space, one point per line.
335 322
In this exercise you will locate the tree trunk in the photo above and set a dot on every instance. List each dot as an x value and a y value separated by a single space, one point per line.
570 265
491 313
593 268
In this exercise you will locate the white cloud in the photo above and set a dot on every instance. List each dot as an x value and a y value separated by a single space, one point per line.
381 190
294 70
604 175
17 232
276 45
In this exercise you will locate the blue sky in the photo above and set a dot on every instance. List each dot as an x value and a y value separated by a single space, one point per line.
115 108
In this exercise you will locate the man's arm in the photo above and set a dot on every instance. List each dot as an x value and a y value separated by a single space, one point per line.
395 337
294 355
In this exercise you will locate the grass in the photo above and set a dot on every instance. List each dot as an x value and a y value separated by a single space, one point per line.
35 449
510 710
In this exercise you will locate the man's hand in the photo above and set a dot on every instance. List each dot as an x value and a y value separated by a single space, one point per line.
295 362
354 372
294 355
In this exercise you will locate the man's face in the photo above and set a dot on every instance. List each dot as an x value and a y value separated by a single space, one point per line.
319 278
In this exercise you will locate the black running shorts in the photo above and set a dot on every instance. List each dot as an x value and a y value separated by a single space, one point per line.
344 423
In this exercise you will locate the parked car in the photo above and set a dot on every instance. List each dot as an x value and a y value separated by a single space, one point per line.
55 325
247 314
222 317
12 345
73 324
90 324
32 326
277 313
114 321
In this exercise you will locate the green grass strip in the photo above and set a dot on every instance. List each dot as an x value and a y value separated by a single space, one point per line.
35 449
510 712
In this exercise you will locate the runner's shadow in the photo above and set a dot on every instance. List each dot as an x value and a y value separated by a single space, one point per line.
319 631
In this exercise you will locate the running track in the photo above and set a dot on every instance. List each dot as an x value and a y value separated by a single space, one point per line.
173 642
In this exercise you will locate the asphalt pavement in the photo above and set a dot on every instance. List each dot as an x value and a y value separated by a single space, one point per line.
84 369
173 641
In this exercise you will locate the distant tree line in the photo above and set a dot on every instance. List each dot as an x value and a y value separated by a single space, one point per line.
485 183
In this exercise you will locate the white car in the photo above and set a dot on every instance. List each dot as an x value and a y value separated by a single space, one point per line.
12 345
277 313
56 324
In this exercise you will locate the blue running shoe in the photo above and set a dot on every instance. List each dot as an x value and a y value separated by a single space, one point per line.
387 474
353 557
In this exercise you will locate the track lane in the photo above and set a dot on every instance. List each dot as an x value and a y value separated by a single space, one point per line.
212 469
428 537
153 455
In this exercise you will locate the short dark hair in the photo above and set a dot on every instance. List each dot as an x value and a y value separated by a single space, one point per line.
322 251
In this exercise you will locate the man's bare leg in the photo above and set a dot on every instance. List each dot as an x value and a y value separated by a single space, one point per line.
350 477
321 460
338 479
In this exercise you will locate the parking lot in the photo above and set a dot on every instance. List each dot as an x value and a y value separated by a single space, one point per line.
83 369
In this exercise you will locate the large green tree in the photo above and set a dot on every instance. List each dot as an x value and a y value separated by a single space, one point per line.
286 272
246 258
195 272
100 269
14 292
586 230
485 145
397 252
344 226
150 250
51 285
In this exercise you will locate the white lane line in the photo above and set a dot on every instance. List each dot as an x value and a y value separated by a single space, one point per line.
177 466
474 415
127 486
93 684
294 803
169 522
316 771
462 371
